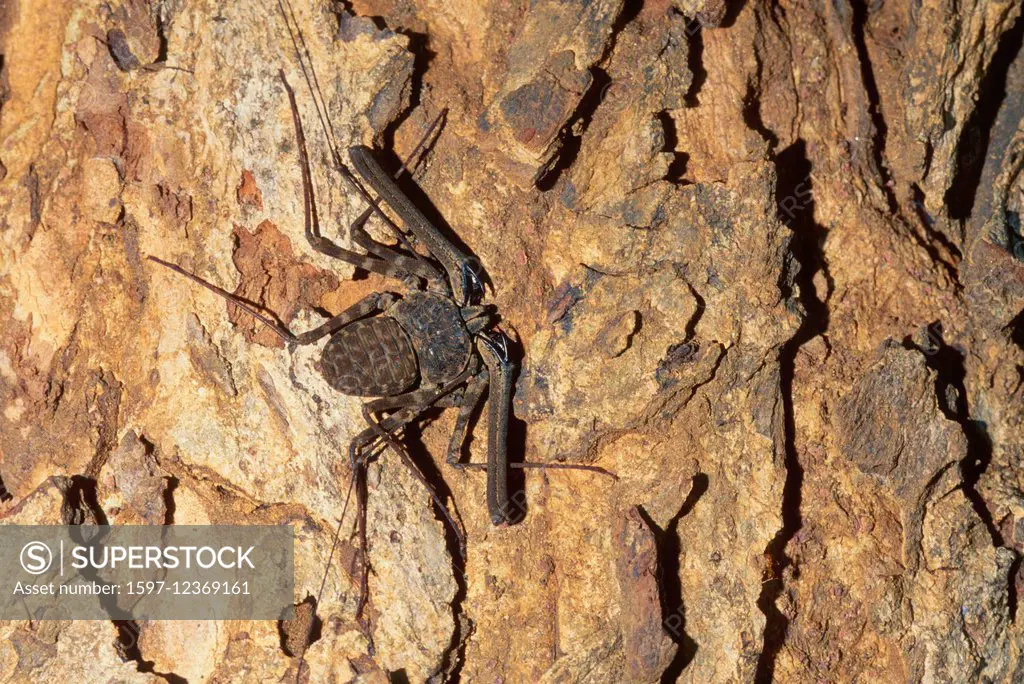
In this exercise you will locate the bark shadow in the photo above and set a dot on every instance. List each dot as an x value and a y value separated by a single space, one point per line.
673 608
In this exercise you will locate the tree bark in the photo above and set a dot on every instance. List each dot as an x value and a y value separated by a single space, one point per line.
763 260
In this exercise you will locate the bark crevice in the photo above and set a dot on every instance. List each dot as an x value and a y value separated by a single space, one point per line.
807 250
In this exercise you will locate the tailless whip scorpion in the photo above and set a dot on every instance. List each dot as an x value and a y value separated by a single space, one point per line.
436 346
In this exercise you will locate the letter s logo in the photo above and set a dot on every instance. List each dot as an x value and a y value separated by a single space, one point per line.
36 558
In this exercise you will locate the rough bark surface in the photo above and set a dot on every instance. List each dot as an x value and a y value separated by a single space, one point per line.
764 260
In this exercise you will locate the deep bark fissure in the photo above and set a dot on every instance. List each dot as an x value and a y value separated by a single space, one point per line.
695 63
677 167
975 137
1016 329
951 374
422 56
81 502
948 362
806 247
1013 597
698 313
127 646
81 510
932 238
161 33
170 485
570 137
673 607
881 129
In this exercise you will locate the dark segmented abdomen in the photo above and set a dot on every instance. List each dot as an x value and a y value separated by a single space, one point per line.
370 357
